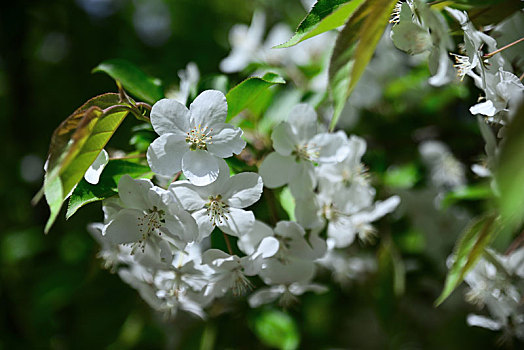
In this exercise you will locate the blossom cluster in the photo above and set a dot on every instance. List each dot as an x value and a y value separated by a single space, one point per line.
162 240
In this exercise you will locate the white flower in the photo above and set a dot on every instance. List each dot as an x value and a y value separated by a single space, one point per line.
92 174
287 293
295 259
500 88
245 44
150 216
422 29
221 203
192 140
446 170
298 147
189 78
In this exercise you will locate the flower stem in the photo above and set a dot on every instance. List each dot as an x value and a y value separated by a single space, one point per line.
226 238
516 243
488 55
521 77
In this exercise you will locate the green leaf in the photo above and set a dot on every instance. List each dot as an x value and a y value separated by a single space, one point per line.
75 144
247 92
277 329
133 79
85 192
468 251
471 193
509 172
324 16
355 45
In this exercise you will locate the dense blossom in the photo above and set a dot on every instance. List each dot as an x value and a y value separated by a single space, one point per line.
193 140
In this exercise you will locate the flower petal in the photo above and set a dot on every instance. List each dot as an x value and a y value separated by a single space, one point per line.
242 190
187 196
165 154
168 116
248 242
200 167
205 226
276 169
134 193
303 121
226 141
333 147
239 222
92 174
208 108
284 140
124 227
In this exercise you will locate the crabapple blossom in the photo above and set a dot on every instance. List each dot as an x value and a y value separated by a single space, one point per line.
222 202
192 140
150 215
92 174
298 147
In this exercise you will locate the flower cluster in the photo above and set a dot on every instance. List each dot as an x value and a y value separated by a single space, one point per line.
162 240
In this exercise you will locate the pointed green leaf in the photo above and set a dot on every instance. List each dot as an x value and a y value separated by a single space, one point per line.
75 144
133 79
325 15
468 251
85 192
354 48
247 92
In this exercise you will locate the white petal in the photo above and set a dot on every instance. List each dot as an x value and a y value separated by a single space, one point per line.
264 296
205 226
303 121
242 190
238 223
124 227
248 242
187 196
307 212
208 108
484 322
485 108
276 272
170 116
134 193
165 154
333 147
200 167
226 141
342 231
302 180
182 225
93 173
267 248
276 169
284 140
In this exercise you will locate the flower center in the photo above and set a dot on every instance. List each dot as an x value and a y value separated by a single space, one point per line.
462 65
216 209
149 223
306 151
198 138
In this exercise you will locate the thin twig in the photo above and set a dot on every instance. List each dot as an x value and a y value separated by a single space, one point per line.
177 175
134 156
521 77
228 244
517 242
488 55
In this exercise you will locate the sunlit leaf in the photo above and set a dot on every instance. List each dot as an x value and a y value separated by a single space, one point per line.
324 16
133 79
354 48
468 251
277 329
85 192
247 92
75 144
